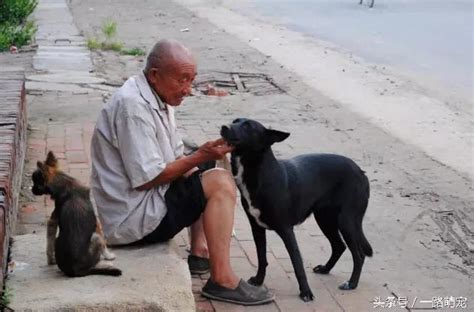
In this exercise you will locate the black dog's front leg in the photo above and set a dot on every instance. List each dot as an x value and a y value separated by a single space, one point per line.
288 237
260 240
261 245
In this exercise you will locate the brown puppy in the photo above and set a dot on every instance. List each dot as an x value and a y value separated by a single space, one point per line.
78 246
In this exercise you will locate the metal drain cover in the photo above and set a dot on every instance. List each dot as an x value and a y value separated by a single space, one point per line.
237 82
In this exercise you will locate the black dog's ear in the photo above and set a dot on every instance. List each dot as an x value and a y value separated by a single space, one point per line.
51 160
237 120
275 135
40 165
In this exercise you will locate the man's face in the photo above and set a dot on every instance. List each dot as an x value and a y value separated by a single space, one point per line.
174 82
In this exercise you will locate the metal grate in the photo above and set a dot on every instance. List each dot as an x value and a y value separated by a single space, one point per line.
237 82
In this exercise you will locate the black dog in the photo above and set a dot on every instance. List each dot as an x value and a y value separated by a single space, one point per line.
78 247
278 194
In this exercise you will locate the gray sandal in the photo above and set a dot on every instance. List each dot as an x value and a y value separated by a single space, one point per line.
198 265
244 294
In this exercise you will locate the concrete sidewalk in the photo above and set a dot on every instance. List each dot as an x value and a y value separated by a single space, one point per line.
411 193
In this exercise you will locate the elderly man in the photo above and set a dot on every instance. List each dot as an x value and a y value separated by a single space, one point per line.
147 191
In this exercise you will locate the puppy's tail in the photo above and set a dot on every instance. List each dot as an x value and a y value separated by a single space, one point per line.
103 269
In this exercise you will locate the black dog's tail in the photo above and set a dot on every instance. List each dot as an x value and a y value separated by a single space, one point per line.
364 245
102 269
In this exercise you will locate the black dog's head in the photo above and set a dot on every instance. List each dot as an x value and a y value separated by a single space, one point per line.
250 135
44 174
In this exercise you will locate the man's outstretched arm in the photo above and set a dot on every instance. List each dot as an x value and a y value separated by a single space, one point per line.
212 150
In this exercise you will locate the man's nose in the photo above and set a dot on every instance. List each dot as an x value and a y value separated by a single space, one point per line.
187 90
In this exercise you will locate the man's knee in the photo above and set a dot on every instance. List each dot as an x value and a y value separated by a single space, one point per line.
219 182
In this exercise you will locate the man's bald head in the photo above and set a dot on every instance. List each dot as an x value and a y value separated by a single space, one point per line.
166 53
170 70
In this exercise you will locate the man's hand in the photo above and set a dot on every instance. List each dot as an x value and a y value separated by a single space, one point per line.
214 150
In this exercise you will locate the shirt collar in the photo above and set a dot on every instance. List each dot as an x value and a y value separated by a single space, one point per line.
161 104
148 93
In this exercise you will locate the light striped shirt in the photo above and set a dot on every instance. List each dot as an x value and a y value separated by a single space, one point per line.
134 138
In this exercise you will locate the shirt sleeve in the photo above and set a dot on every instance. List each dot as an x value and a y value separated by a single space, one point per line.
179 150
139 148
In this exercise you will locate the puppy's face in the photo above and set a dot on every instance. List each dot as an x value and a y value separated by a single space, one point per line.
250 135
44 174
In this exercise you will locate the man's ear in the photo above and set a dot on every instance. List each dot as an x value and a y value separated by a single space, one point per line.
153 74
51 160
275 135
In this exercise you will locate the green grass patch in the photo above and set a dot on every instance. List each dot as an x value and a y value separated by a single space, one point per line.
93 44
6 297
109 29
114 46
15 12
133 51
18 35
109 32
14 27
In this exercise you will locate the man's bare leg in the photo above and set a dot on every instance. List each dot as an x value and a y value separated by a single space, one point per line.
198 239
197 236
218 218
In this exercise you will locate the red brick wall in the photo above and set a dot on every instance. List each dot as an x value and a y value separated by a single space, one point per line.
13 130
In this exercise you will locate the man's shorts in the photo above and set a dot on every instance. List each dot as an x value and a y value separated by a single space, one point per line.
185 201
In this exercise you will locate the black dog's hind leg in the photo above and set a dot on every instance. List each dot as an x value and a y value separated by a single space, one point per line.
351 236
261 245
329 226
288 237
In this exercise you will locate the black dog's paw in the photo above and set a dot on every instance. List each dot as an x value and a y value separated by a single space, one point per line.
347 286
320 269
307 295
254 281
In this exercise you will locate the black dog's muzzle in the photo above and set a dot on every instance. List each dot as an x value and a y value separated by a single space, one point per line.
228 135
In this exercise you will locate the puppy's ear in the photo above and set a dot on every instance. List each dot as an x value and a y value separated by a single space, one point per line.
40 165
275 135
51 160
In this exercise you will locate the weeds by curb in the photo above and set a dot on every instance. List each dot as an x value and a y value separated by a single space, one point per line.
109 31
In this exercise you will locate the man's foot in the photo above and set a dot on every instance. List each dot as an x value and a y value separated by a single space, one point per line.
244 294
198 265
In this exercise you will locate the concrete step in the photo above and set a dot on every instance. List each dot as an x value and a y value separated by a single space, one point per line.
154 278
